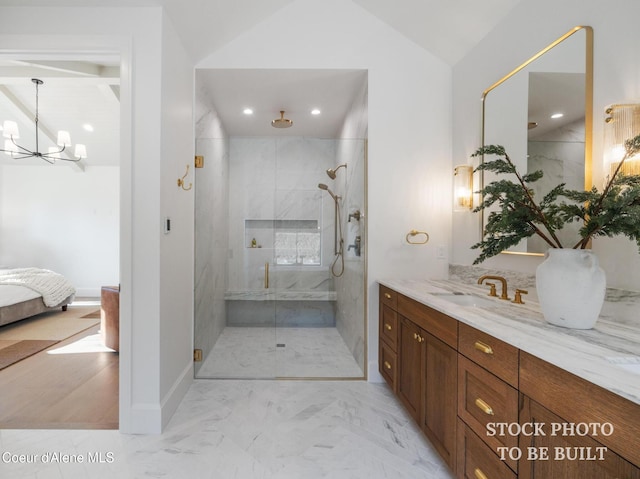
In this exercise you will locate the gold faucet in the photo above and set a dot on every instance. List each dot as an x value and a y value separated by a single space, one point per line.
503 281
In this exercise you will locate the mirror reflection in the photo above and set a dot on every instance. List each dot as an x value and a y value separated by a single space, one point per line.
541 113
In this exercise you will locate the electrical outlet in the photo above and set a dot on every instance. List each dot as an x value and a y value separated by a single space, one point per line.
441 252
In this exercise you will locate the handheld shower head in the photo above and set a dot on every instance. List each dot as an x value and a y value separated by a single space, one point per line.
322 186
331 172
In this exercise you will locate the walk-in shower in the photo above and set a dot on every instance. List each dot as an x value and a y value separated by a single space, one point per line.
278 293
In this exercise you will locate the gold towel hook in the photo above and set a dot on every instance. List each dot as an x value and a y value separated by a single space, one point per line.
181 182
413 233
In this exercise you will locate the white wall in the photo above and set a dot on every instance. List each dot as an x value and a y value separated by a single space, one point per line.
177 247
528 28
409 125
60 219
156 100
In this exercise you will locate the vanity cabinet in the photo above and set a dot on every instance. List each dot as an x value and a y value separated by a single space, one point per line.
454 379
388 333
426 367
553 395
476 460
487 392
568 456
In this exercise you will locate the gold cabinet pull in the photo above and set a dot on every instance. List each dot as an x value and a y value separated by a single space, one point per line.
484 407
485 348
387 326
387 295
387 365
266 275
479 474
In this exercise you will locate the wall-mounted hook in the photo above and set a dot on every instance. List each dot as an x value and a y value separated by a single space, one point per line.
181 182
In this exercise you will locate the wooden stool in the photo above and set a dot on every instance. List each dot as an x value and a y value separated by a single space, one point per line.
110 316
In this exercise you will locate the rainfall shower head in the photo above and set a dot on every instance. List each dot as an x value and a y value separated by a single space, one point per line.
281 122
322 186
332 171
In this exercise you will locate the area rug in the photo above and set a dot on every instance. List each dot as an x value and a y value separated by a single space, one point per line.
19 350
52 326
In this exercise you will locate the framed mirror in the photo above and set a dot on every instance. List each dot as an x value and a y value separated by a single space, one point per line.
542 113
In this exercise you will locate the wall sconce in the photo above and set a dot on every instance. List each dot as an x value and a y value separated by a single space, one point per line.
462 188
622 122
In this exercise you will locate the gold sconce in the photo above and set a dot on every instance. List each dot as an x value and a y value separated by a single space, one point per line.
181 181
622 122
462 188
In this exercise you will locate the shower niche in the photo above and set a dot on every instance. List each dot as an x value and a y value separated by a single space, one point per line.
294 242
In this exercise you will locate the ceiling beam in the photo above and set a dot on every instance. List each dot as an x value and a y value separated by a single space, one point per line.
74 68
17 76
29 116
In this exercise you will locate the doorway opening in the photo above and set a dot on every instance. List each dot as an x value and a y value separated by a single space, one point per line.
63 217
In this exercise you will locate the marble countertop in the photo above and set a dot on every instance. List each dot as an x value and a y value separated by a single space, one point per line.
608 355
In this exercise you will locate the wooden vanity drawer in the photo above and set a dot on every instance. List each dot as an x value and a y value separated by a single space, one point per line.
443 327
389 297
388 365
484 398
476 460
389 326
492 354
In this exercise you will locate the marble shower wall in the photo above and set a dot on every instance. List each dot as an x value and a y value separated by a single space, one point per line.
277 179
350 314
211 238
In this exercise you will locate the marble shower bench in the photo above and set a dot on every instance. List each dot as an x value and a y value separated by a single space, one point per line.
287 308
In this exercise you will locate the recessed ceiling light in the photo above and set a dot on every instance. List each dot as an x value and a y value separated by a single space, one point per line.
247 111
315 111
87 127
557 115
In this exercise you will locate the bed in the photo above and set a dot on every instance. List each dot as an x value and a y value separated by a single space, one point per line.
25 292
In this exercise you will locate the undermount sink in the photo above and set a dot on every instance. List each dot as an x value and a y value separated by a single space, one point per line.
463 299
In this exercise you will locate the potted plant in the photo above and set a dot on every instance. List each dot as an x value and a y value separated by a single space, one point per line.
613 211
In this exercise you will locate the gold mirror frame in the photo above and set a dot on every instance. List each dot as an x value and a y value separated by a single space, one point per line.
588 107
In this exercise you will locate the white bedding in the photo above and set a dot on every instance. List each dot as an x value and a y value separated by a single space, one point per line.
10 294
29 283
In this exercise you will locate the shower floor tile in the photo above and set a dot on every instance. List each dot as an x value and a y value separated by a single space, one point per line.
280 352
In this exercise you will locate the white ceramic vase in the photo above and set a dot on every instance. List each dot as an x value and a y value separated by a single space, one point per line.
571 287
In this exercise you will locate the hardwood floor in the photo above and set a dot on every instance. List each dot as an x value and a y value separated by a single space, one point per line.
61 391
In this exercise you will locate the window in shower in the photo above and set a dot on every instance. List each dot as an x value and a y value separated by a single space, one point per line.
295 242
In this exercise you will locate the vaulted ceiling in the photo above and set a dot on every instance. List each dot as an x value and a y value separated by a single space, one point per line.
79 91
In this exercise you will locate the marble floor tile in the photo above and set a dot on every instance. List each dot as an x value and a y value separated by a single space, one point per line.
280 352
245 429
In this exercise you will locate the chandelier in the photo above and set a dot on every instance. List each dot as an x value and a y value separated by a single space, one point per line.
18 152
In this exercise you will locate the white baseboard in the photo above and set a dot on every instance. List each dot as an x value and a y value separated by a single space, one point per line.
374 375
87 292
145 419
173 398
152 418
